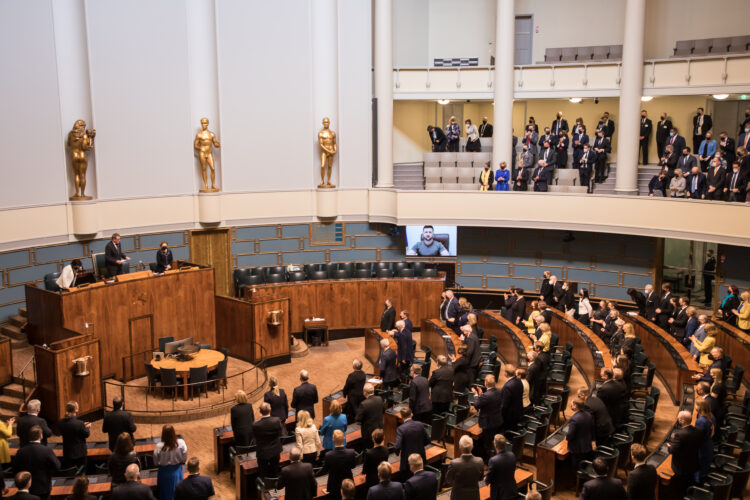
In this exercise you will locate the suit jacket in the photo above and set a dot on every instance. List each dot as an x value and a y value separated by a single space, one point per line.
196 487
684 444
452 310
373 457
678 143
441 383
536 377
267 432
716 178
304 397
642 483
508 304
405 344
680 320
419 395
485 130
25 422
113 253
41 462
546 291
587 159
279 404
518 310
163 260
707 124
501 470
353 387
512 401
370 415
386 490
388 319
116 422
646 128
740 181
339 463
465 472
543 174
612 395
242 418
74 433
299 481
421 486
439 139
686 163
490 406
550 155
22 495
662 131
603 426
603 488
411 437
559 125
728 149
651 305
132 490
387 364
581 432
700 188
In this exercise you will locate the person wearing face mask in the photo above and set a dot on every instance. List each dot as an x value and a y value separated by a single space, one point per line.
676 140
486 178
577 126
716 179
561 148
744 139
735 184
726 146
607 124
668 161
701 124
530 139
473 143
602 148
706 151
521 181
548 137
696 184
645 135
502 177
559 124
579 140
686 162
452 132
744 160
163 258
662 133
485 129
533 125
585 164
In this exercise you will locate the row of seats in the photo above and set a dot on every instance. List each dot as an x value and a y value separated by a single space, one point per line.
582 54
333 270
467 179
459 160
706 46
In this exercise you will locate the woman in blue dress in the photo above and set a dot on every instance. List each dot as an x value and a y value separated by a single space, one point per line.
169 455
335 421
502 177
705 423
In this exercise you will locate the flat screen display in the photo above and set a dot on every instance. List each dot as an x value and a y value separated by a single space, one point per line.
431 241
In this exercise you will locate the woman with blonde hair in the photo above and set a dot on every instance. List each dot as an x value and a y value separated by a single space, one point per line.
628 343
706 424
704 348
276 397
546 336
743 313
717 386
333 422
242 418
308 439
677 184
529 323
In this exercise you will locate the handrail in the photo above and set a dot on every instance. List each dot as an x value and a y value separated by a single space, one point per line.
22 374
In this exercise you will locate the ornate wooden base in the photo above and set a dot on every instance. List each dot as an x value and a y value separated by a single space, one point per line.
210 190
80 198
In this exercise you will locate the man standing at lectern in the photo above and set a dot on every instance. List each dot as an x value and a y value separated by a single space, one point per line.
114 257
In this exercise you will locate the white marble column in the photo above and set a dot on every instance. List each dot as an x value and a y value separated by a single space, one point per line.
502 136
325 79
383 66
631 87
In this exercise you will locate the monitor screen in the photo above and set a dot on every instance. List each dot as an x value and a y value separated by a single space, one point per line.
173 347
431 241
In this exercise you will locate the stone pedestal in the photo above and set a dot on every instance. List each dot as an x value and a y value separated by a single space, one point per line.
85 217
209 208
327 203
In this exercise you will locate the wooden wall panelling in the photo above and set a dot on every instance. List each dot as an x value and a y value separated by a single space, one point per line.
273 338
213 247
44 316
338 302
6 361
234 330
371 302
736 344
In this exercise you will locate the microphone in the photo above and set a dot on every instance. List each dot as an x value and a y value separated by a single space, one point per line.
140 264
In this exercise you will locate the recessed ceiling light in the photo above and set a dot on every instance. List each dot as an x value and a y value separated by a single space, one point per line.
575 100
646 98
721 97
443 101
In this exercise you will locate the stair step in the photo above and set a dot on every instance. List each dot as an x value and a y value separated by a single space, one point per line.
17 320
10 402
16 343
5 414
23 311
30 384
14 390
13 332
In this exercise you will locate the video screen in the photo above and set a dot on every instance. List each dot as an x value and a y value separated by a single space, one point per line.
431 241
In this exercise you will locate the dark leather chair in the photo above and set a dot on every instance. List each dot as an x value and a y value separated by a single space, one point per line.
363 273
152 266
364 265
383 273
381 265
152 377
219 376
396 266
338 274
169 381
419 268
430 272
275 278
198 379
310 269
319 275
50 282
269 272
297 276
405 272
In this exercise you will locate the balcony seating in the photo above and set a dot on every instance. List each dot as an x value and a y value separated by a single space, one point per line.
708 46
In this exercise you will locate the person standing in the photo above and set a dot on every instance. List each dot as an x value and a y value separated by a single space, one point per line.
331 423
642 480
388 364
709 270
339 462
355 383
305 395
701 124
512 399
404 348
559 124
705 423
113 256
164 258
22 481
307 436
411 437
373 457
122 456
169 455
370 414
195 486
452 133
645 135
74 433
39 460
438 139
297 478
30 419
602 486
423 484
385 489
489 403
133 489
276 397
486 178
242 418
473 144
602 148
267 431
581 434
662 133
502 177
117 421
441 385
684 444
465 472
501 471
388 318
485 129
419 396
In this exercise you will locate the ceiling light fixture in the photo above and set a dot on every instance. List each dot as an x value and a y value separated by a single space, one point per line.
720 97
647 98
443 101
575 100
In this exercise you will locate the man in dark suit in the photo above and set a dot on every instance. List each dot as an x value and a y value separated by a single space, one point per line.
242 417
518 308
701 124
686 161
485 129
603 486
419 396
268 431
370 414
490 406
534 373
423 484
684 444
603 427
642 479
388 364
727 147
339 462
501 470
715 180
509 300
678 144
473 351
645 135
612 395
545 291
718 361
608 125
668 161
411 437
735 184
547 156
581 434
297 478
602 147
388 318
559 124
437 137
512 399
662 133
25 422
197 487
664 307
305 395
452 311
703 391
133 489
40 461
441 385
117 421
650 302
386 489
74 433
373 456
465 471
405 348
23 483
113 256
355 383
696 184
680 319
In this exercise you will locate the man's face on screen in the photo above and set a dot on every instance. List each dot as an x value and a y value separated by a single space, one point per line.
427 235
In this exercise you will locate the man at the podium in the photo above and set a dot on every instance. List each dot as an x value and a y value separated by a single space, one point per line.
114 257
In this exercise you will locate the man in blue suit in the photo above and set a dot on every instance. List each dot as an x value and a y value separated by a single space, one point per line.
423 484
452 311
541 177
387 364
501 472
696 184
581 434
489 403
405 347
411 437
386 489
195 486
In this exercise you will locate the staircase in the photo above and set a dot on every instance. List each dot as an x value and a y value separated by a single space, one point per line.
11 397
645 173
14 329
408 175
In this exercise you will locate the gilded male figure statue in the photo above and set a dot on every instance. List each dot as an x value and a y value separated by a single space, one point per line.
80 140
327 141
204 140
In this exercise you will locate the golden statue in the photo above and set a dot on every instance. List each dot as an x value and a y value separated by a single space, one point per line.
327 141
204 140
80 140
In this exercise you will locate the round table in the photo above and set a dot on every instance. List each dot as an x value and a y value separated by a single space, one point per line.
205 357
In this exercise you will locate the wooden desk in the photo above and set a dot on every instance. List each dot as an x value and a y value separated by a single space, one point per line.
442 340
96 450
6 361
674 364
736 344
469 427
313 325
551 458
224 439
512 342
373 336
204 357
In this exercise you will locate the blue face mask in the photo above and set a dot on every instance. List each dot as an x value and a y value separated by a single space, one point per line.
671 134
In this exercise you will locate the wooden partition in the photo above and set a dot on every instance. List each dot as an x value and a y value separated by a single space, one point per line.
127 317
674 364
234 327
354 303
442 340
373 336
512 342
6 361
736 344
59 381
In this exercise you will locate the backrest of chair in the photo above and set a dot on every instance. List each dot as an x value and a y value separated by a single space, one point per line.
297 276
50 282
418 267
199 374
569 54
384 273
585 53
150 373
739 43
221 368
406 273
168 377
319 275
703 46
430 272
363 273
99 264
720 45
684 47
163 341
465 174
601 52
449 174
552 54
615 52
448 159
545 491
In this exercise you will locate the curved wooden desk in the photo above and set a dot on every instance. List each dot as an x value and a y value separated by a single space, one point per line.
512 342
736 344
355 302
204 357
674 364
373 336
442 340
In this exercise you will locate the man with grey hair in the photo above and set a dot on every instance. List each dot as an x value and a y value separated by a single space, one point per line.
297 478
465 472
441 386
684 444
387 364
370 414
305 395
651 301
423 483
133 489
29 420
700 335
355 383
405 348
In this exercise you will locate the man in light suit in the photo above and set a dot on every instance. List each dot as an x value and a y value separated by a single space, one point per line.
696 184
702 123
411 437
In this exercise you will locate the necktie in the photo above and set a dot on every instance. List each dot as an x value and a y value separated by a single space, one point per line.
695 183
734 180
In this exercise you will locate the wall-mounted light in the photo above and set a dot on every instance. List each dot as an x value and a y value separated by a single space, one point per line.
720 97
443 101
575 100
647 98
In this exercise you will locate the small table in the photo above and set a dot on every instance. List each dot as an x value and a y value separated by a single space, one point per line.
207 357
315 325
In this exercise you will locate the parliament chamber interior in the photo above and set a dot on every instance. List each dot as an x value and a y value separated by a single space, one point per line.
490 249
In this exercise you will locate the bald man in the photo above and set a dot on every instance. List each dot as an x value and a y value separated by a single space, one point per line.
305 395
684 444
